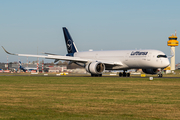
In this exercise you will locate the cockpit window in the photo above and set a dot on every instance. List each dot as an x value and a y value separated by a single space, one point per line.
161 56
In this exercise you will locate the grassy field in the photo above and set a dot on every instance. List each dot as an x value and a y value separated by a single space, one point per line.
36 97
175 74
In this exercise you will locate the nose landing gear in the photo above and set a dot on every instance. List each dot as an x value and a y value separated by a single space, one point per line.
160 73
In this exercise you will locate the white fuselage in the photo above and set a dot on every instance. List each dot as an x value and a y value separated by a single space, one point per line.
130 59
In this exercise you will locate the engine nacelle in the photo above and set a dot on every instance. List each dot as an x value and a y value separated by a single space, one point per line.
150 71
95 67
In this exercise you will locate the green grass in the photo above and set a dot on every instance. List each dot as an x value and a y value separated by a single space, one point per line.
35 97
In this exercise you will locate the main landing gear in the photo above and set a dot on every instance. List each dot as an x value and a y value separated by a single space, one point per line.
124 74
96 75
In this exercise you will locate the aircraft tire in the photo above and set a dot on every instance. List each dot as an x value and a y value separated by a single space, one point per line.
128 74
124 74
160 75
96 75
120 74
92 75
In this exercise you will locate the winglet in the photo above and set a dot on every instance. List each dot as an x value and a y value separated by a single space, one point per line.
7 51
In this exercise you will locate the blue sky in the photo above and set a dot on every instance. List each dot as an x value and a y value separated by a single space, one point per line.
94 24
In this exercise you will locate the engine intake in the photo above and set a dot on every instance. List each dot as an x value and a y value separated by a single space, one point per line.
150 71
95 67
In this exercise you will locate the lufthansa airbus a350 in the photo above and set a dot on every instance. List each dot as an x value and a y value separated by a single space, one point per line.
96 62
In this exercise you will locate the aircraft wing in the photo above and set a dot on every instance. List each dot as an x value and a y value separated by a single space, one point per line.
68 58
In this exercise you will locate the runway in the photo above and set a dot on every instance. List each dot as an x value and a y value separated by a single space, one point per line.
86 75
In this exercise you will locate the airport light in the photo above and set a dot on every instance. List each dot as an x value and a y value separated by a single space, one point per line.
173 42
6 65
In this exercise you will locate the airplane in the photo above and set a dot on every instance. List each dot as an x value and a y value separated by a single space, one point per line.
96 62
26 68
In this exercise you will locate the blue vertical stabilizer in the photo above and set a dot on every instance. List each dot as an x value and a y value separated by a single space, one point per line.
71 48
21 67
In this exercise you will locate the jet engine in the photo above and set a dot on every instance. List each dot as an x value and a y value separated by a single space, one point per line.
150 71
95 67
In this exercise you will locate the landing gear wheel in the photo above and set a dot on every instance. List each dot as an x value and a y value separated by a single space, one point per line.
128 74
96 75
124 74
160 75
92 75
120 74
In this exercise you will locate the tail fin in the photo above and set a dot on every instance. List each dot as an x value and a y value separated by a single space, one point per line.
71 47
21 67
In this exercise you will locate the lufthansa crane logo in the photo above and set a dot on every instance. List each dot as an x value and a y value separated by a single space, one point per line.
69 45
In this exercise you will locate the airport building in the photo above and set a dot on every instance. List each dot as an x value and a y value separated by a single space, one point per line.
57 69
2 66
47 67
173 43
178 66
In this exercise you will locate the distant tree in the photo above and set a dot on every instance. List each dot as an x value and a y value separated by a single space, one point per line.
65 63
59 62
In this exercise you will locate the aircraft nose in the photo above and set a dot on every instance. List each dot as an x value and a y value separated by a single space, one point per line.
166 62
